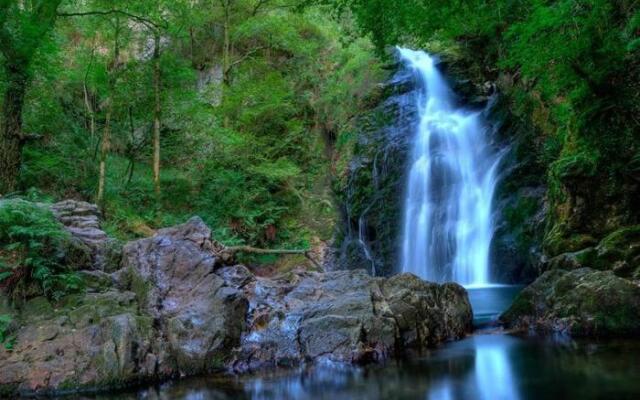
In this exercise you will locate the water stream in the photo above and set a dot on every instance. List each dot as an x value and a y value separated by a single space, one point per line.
451 181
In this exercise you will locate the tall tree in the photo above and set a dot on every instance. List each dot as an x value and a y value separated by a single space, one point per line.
157 110
106 132
23 27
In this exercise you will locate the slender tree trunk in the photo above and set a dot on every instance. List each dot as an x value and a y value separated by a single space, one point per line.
87 99
156 115
191 48
132 148
90 113
226 45
226 55
11 129
104 153
106 132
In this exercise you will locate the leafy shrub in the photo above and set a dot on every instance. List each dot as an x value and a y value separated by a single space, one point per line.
5 330
30 248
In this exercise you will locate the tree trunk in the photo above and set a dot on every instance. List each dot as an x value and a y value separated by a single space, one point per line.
156 115
11 130
104 152
87 99
90 113
106 132
226 55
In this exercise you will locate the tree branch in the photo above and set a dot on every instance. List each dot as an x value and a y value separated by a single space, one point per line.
145 21
255 250
244 57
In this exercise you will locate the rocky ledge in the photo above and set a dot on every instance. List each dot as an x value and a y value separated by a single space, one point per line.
173 308
581 302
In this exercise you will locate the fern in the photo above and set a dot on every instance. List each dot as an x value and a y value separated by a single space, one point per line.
31 239
5 336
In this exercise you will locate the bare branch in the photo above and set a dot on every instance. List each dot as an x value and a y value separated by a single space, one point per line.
145 21
245 57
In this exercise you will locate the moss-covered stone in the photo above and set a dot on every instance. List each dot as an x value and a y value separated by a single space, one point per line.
582 302
36 309
619 252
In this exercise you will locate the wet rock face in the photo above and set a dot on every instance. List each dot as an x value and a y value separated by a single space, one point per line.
174 309
173 273
370 189
97 340
581 302
346 316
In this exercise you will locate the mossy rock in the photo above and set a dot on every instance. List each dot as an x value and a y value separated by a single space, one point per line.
111 255
583 258
556 242
96 281
623 244
75 254
582 302
35 309
95 307
619 251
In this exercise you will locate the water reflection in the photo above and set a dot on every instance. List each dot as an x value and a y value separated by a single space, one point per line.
493 371
481 367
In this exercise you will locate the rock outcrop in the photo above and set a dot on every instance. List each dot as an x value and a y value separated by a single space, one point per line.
173 309
344 316
196 314
619 252
82 221
580 302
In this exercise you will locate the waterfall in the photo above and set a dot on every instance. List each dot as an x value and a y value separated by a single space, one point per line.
451 181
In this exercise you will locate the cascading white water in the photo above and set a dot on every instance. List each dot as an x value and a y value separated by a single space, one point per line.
452 178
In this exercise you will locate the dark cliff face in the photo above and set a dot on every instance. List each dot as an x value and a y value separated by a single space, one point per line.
370 190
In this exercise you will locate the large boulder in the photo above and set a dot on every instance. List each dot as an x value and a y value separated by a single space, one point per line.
580 302
94 341
200 316
345 316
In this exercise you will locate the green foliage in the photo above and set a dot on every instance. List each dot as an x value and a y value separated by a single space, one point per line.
31 241
248 148
5 331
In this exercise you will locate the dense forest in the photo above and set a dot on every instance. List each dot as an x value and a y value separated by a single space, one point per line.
191 186
161 110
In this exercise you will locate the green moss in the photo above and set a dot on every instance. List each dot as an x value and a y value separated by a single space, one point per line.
37 308
217 361
624 239
69 384
522 305
139 286
556 241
